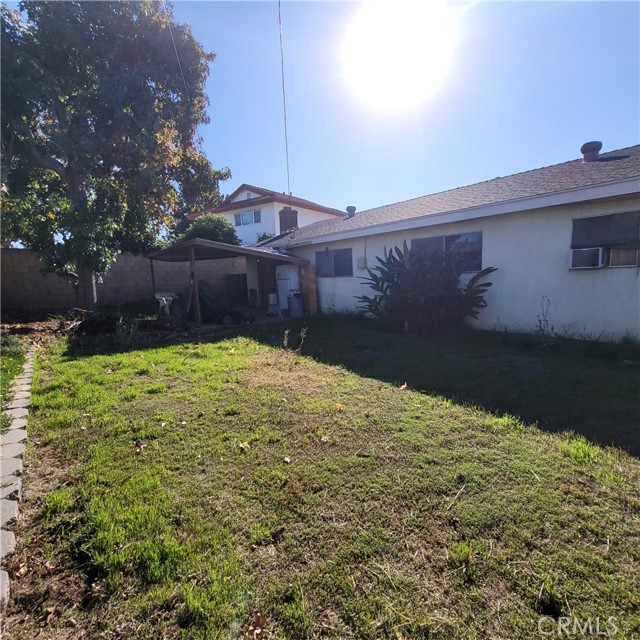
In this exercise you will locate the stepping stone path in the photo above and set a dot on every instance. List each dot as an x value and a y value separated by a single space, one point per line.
12 448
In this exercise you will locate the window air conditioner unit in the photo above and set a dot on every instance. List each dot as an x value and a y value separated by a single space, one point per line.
587 258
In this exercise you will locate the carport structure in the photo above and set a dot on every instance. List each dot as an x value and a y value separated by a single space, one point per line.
262 260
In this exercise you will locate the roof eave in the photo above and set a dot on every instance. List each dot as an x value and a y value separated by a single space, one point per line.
233 250
625 187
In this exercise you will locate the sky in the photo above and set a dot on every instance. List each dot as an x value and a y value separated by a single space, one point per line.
526 85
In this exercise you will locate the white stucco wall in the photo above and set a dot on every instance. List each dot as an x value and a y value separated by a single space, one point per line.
269 219
245 194
248 233
307 216
531 251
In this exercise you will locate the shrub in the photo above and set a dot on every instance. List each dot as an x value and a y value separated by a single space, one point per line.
211 226
421 293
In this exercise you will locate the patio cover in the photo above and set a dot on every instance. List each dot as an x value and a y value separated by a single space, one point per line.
199 249
211 250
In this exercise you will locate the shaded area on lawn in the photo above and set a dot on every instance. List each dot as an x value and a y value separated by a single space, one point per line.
587 387
591 388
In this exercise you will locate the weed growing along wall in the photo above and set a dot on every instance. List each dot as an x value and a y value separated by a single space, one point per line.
26 285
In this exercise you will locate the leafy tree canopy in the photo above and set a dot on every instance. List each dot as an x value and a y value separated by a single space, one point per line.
211 227
99 119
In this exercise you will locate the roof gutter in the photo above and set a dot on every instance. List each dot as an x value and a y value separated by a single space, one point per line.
627 187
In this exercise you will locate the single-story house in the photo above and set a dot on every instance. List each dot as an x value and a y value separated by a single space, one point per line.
565 240
255 211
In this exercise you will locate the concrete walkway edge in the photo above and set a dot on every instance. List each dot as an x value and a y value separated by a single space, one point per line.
12 449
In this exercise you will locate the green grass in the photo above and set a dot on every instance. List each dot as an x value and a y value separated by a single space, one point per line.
11 361
214 488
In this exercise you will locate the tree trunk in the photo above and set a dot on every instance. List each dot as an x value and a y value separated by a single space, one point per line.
87 295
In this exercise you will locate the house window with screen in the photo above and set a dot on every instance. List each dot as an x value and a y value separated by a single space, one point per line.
334 263
465 248
248 217
606 241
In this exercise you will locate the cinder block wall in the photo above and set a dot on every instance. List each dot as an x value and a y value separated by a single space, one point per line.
26 285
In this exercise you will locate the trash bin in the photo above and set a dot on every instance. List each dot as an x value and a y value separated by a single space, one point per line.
296 309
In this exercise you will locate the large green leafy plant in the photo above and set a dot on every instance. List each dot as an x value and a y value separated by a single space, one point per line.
421 293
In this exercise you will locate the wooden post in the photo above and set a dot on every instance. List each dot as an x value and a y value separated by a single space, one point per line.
196 292
153 278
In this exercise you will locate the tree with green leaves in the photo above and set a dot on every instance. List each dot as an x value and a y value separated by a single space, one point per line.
211 226
100 107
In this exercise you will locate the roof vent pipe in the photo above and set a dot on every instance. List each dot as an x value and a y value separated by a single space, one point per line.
351 211
591 151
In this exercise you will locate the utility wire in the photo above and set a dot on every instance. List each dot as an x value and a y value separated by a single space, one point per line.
186 88
284 98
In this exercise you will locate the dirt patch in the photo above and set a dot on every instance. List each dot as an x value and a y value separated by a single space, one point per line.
46 589
284 370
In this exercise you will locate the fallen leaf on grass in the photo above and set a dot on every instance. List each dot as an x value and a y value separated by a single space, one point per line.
244 446
277 534
257 625
403 386
340 406
50 611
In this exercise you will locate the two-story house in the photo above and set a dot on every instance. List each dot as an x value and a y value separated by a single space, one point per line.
257 212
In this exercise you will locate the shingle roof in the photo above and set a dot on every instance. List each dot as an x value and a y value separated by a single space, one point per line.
615 166
264 196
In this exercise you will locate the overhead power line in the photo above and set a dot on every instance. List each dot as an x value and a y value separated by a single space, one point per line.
284 98
186 88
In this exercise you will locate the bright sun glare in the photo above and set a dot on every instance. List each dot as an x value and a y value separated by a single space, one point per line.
396 54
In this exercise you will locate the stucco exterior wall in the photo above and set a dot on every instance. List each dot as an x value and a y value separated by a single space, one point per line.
269 219
532 253
306 216
248 233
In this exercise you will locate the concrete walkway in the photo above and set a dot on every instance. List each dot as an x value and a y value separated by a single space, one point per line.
12 447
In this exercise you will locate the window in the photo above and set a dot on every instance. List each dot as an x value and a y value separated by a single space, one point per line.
248 217
334 263
621 257
466 248
606 241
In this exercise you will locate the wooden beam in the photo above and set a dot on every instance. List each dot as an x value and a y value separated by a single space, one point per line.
196 291
153 278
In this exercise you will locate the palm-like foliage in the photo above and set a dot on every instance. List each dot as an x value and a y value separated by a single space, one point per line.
421 293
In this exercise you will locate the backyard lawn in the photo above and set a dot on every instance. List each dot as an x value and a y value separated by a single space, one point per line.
366 486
